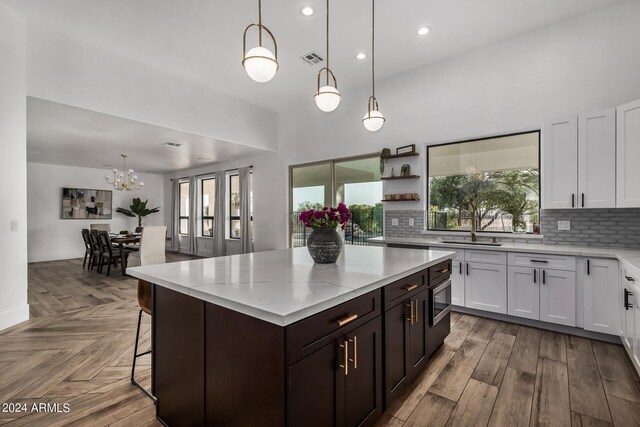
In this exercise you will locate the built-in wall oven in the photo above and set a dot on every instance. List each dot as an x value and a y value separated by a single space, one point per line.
439 305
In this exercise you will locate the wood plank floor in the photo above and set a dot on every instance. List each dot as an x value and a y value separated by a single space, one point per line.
491 373
77 349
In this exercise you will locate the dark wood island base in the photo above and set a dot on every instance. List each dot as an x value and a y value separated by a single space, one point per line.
341 367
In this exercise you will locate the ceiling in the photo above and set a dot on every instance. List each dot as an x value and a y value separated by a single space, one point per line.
66 135
201 40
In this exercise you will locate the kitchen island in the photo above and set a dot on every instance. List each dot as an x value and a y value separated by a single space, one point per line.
273 339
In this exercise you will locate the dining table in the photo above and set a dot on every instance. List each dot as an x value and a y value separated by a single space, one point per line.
121 241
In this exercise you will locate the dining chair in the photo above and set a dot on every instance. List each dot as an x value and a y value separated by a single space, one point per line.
144 301
108 254
96 249
88 249
152 247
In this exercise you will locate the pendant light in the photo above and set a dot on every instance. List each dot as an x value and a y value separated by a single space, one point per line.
327 97
374 119
259 62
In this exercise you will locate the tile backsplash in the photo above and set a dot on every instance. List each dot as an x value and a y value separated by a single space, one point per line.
616 228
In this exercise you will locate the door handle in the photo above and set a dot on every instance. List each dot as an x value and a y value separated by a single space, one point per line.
627 304
539 261
410 318
588 267
573 198
544 277
629 279
355 352
467 269
535 275
345 346
417 309
583 200
461 268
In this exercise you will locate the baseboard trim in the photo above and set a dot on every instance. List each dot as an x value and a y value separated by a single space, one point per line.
14 316
540 325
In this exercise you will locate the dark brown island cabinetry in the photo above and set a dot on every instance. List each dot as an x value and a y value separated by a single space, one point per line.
216 366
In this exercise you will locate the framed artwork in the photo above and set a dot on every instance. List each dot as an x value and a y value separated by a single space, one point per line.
81 203
407 149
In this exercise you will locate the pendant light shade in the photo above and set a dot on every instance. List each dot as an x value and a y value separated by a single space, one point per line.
373 120
260 63
327 97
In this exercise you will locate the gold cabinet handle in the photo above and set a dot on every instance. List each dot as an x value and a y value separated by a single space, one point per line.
411 287
347 320
411 317
446 270
355 352
345 346
417 309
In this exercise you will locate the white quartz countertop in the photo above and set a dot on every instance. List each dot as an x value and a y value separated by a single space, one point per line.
631 258
285 286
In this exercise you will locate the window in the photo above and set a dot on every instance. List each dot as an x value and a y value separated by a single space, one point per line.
208 205
234 204
184 208
354 181
492 182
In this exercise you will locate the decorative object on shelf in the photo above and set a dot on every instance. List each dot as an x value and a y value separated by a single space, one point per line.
406 149
80 203
327 97
324 242
384 157
259 62
138 209
374 119
393 172
125 180
405 170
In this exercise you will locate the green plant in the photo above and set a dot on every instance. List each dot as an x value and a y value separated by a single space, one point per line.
384 156
138 209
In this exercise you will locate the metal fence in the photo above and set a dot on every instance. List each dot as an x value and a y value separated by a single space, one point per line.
364 224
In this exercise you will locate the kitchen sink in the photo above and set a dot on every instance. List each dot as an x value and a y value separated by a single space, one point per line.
466 242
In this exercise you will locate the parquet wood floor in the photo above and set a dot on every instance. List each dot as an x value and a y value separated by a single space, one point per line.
77 349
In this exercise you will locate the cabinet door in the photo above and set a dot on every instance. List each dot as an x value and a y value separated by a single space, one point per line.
418 334
560 164
524 292
396 328
363 383
485 287
315 389
628 155
597 159
457 283
558 297
601 296
636 330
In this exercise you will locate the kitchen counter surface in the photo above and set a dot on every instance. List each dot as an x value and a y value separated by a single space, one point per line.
630 257
285 286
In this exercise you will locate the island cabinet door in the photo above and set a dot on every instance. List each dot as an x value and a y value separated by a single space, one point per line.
339 384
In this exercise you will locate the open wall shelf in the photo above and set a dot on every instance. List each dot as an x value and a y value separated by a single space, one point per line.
385 178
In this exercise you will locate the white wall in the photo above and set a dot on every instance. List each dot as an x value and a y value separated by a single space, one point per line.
52 238
13 146
72 72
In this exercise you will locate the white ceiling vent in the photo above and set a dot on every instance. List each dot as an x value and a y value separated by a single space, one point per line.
312 58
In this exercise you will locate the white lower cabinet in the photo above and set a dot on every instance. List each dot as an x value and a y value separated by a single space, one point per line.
524 292
542 294
485 287
601 295
457 283
558 297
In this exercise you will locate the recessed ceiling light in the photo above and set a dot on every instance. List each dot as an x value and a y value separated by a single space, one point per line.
307 10
361 55
423 31
172 144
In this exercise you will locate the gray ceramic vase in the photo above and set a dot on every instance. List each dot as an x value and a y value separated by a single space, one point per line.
324 245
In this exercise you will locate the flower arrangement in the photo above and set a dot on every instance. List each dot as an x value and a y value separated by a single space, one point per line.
326 217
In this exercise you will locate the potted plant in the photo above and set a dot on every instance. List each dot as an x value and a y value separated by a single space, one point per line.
324 242
138 209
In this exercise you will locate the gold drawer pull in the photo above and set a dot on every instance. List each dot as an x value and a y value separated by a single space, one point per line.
446 270
411 287
347 320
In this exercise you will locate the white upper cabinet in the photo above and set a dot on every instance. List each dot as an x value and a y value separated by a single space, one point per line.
597 160
628 155
560 163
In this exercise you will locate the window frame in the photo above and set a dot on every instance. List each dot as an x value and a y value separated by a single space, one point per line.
427 221
204 217
180 216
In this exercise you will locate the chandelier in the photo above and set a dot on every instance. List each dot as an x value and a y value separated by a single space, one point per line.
125 180
259 62
327 97
374 119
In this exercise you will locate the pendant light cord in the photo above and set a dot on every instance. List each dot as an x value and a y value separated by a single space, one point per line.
328 42
260 22
373 47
